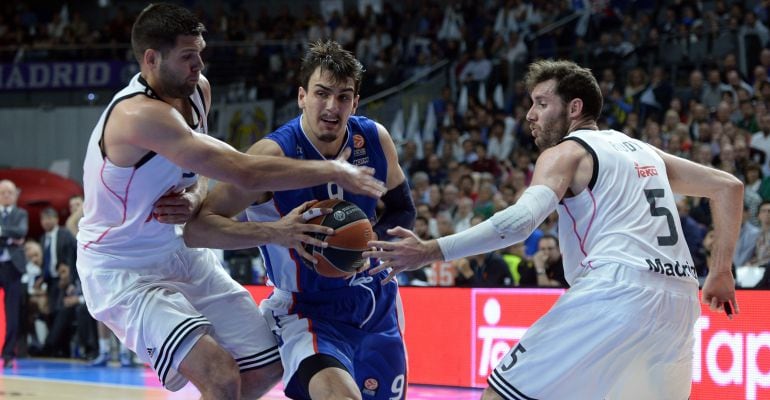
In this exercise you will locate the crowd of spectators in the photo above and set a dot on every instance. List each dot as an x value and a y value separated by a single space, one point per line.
690 77
53 318
710 108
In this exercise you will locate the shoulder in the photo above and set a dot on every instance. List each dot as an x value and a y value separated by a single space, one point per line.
141 106
266 147
383 133
359 123
290 128
571 149
205 86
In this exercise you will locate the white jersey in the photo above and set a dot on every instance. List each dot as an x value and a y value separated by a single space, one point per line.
627 215
118 220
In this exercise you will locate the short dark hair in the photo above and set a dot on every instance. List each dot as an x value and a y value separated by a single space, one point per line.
572 82
158 26
549 236
330 57
49 212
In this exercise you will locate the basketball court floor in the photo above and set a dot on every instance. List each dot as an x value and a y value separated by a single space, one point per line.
45 379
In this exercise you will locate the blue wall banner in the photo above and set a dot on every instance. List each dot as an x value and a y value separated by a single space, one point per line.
66 75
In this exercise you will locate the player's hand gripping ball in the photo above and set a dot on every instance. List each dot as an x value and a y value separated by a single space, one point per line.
352 230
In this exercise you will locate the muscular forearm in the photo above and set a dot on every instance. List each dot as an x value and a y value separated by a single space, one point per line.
218 232
726 210
254 172
399 211
282 173
506 227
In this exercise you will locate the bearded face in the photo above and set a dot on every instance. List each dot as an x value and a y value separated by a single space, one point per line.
547 117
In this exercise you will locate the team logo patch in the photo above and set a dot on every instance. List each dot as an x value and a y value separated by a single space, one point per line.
150 351
358 141
370 386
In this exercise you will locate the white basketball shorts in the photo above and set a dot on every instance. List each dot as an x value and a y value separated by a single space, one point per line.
617 334
160 306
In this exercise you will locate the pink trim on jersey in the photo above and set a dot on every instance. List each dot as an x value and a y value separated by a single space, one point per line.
593 215
123 201
581 242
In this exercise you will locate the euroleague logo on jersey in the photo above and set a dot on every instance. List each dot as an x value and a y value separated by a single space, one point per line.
359 151
358 141
370 386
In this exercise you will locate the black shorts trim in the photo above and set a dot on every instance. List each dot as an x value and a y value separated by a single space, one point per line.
258 360
171 344
505 389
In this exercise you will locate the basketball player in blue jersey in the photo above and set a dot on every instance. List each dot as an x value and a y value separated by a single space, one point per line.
624 330
174 306
339 338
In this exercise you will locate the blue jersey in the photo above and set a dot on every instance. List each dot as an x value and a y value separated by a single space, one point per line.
285 268
354 320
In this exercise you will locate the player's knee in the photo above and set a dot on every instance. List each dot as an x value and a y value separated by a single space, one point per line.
255 383
212 370
222 379
333 384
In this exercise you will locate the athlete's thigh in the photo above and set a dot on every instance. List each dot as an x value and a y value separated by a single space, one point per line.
301 338
664 367
577 350
238 323
312 346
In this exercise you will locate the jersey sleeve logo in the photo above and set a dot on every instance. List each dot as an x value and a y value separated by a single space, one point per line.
644 171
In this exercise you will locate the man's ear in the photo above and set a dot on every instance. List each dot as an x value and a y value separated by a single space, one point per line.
575 107
301 94
152 57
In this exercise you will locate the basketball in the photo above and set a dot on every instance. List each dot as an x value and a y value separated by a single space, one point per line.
352 230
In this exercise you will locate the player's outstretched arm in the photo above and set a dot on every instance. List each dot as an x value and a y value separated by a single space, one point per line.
214 227
725 193
554 172
156 126
408 253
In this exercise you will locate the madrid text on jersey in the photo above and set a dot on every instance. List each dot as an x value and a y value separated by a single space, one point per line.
669 269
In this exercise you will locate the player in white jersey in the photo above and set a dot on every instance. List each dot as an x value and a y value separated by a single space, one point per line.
624 330
176 307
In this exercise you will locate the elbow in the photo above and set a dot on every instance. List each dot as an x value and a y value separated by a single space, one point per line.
736 186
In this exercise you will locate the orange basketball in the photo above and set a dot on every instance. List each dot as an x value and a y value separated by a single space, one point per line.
352 230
